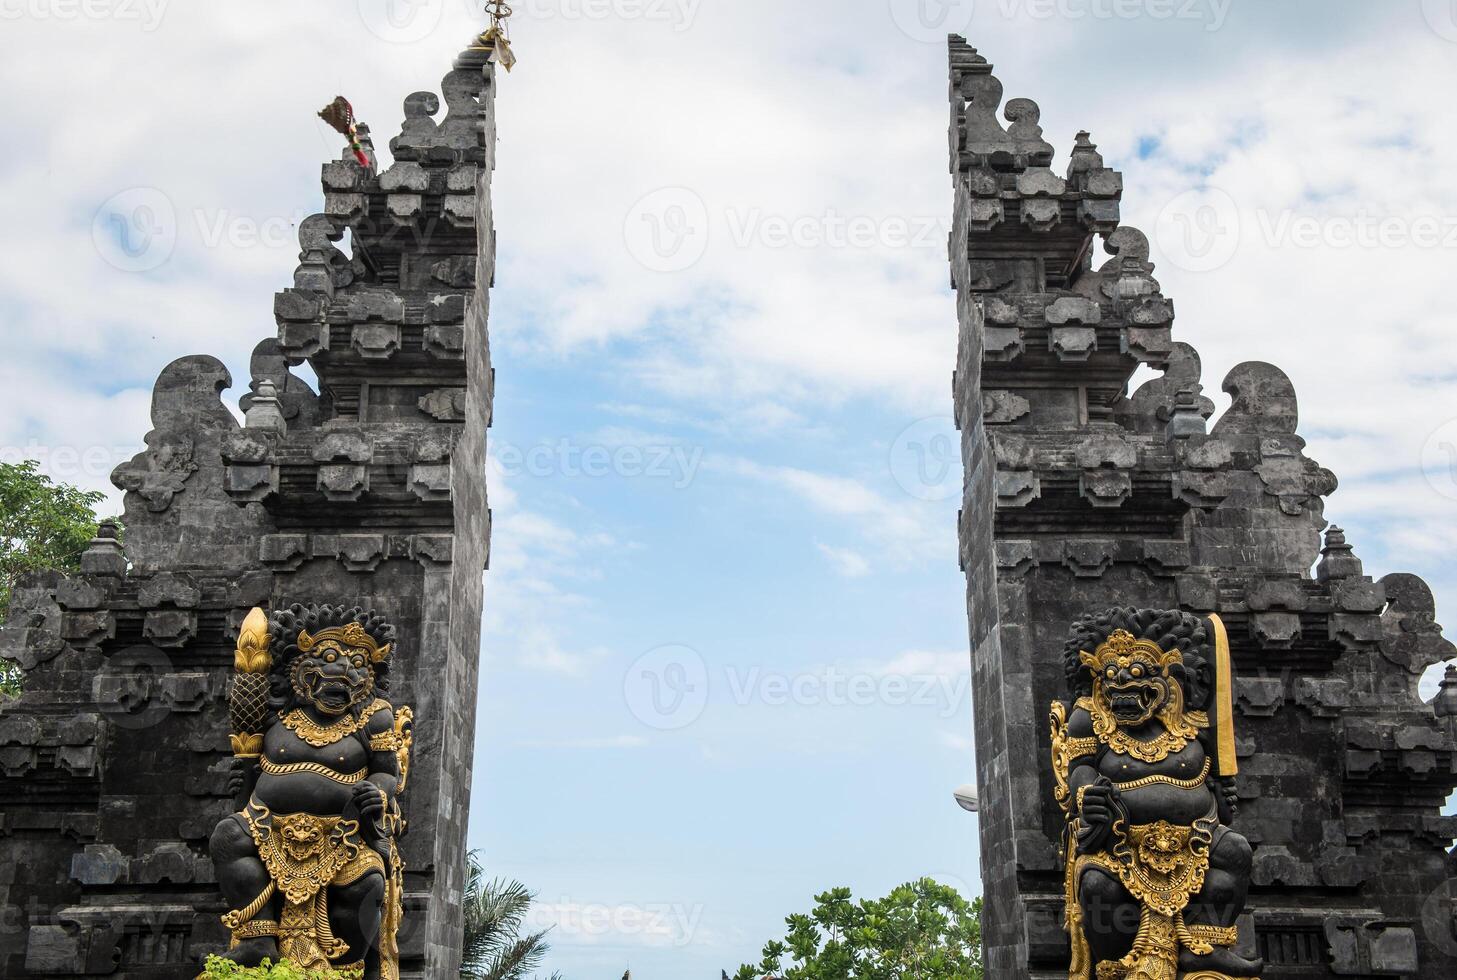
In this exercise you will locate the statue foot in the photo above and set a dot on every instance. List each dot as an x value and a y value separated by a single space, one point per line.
252 952
1223 960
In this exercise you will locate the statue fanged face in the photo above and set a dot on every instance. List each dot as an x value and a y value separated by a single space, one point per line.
333 677
1132 678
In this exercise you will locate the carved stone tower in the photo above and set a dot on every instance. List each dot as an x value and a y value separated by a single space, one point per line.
1079 497
370 491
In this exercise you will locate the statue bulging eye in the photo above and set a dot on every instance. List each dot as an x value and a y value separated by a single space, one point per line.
329 659
1112 673
358 663
1137 671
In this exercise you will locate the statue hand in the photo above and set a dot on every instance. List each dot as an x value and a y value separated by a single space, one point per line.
369 800
1101 806
1228 799
238 775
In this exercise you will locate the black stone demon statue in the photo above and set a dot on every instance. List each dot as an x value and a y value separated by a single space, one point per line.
309 864
1143 761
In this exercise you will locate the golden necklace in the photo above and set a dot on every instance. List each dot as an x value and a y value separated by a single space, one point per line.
318 735
1180 728
1155 750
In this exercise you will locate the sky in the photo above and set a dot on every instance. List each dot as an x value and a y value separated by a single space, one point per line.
724 662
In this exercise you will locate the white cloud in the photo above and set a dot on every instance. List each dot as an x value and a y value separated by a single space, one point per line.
757 335
535 562
904 530
846 561
926 663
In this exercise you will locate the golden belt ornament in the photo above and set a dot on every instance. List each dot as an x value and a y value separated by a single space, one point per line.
1163 865
304 854
1158 779
316 768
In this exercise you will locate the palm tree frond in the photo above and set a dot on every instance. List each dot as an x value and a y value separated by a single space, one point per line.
494 913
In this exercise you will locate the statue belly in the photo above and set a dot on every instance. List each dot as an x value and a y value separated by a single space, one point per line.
1182 807
308 792
302 792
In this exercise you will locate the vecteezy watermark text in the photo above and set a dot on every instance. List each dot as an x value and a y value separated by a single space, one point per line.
930 21
147 13
672 462
1202 230
670 229
138 229
408 21
668 687
654 923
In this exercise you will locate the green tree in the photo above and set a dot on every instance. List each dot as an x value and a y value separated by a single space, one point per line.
495 912
218 968
923 930
42 525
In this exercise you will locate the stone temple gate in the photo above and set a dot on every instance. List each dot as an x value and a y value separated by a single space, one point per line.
1080 496
371 491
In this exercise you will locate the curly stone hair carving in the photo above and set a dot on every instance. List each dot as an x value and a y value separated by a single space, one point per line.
285 626
1169 628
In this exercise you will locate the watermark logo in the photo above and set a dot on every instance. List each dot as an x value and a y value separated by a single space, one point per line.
139 229
834 688
135 230
658 924
680 14
671 463
1439 459
1439 918
1441 17
667 687
925 459
147 13
128 689
71 463
401 21
929 21
667 229
1199 230
830 229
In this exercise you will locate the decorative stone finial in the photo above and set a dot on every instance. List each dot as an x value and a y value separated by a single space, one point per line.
1085 155
104 554
1446 702
1337 559
1187 417
264 411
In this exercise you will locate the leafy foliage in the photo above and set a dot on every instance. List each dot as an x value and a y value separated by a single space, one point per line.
42 525
218 968
922 930
495 912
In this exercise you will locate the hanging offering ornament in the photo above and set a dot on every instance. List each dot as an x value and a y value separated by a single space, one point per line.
339 114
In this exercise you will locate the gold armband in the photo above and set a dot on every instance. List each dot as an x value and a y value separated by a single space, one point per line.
1215 935
384 742
255 929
